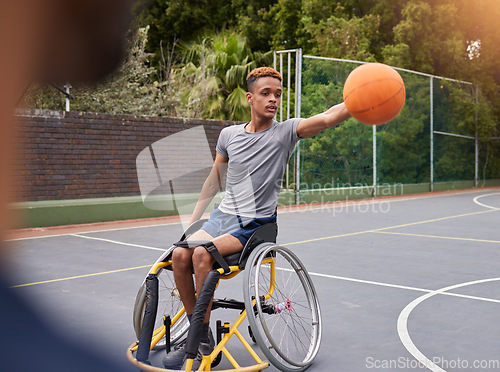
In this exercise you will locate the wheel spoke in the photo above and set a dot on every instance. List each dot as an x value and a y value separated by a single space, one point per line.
290 336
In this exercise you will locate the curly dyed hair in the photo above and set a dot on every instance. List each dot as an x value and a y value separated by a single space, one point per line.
260 72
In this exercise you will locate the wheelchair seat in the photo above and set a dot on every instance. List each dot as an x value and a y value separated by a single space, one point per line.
266 233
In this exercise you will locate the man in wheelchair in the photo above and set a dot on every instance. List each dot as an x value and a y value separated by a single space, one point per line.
255 154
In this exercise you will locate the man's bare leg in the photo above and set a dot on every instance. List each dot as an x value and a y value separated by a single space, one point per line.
185 259
203 261
182 264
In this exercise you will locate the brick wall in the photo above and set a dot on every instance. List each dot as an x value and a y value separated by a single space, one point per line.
75 155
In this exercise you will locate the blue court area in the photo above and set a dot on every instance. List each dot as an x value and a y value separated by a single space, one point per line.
404 283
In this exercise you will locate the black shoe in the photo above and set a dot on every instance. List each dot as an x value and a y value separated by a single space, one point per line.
175 359
205 348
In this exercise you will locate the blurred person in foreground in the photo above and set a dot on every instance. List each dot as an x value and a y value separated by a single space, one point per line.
58 41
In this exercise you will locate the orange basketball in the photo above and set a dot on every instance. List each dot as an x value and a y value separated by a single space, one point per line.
374 93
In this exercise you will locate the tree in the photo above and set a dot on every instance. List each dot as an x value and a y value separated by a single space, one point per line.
173 21
216 68
335 157
403 145
387 12
342 38
432 37
456 39
254 21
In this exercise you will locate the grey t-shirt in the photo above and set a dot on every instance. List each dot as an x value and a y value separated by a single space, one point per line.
257 162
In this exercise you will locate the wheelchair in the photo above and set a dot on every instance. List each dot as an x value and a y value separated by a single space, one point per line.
279 301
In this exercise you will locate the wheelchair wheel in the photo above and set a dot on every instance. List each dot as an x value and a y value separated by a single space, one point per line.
169 303
286 320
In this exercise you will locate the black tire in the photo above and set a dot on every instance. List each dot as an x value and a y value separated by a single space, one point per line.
169 303
286 322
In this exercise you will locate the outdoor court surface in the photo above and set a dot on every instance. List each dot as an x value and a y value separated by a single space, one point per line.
398 279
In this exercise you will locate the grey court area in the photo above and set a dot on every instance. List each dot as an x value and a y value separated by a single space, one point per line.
408 283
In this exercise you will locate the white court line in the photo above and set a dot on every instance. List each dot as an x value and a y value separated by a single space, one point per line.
402 324
380 284
484 205
96 231
119 243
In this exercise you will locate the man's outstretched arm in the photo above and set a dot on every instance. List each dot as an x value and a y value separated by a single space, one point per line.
330 118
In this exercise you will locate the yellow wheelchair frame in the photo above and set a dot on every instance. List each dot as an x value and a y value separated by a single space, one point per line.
293 310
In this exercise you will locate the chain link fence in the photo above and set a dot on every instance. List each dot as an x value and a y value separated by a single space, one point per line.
431 145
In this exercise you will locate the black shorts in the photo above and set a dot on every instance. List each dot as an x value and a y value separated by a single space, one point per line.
241 228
